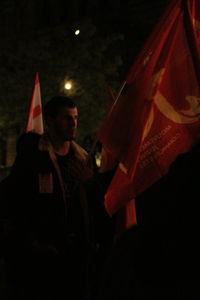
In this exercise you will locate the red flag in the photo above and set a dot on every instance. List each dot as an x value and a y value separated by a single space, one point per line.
35 120
157 118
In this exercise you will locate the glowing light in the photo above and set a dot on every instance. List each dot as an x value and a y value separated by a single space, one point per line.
68 85
98 159
77 32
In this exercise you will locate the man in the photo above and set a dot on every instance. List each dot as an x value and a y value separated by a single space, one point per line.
50 241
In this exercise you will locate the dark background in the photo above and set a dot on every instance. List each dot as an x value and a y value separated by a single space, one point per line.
38 36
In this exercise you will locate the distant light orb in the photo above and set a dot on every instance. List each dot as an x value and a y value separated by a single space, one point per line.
77 32
68 85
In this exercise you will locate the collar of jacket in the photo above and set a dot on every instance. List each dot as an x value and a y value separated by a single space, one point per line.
45 145
45 179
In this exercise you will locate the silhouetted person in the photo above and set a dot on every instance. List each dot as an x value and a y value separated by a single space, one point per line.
52 207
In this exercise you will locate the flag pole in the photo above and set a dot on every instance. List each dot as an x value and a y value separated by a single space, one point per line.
117 97
113 105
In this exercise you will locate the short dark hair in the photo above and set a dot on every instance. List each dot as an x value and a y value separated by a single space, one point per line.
51 108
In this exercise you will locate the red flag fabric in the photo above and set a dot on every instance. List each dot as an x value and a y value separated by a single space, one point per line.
158 115
35 120
126 216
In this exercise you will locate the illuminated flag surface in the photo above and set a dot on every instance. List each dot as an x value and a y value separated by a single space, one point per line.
35 120
158 115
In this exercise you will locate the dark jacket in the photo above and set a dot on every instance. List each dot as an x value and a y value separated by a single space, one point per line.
36 203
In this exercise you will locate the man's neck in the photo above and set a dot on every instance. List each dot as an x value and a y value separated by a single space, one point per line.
60 147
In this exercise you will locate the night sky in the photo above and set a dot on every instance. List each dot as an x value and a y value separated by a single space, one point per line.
38 36
133 18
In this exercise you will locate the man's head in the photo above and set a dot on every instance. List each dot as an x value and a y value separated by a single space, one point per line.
61 116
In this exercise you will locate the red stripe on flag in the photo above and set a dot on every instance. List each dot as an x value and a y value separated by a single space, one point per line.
37 111
35 120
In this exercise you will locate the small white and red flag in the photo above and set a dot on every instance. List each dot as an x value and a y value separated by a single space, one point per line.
35 120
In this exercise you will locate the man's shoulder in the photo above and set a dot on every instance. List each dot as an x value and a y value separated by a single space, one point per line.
28 142
80 153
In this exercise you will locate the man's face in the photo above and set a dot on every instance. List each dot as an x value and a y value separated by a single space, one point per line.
65 123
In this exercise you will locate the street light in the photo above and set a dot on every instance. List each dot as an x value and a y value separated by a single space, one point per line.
77 32
68 85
